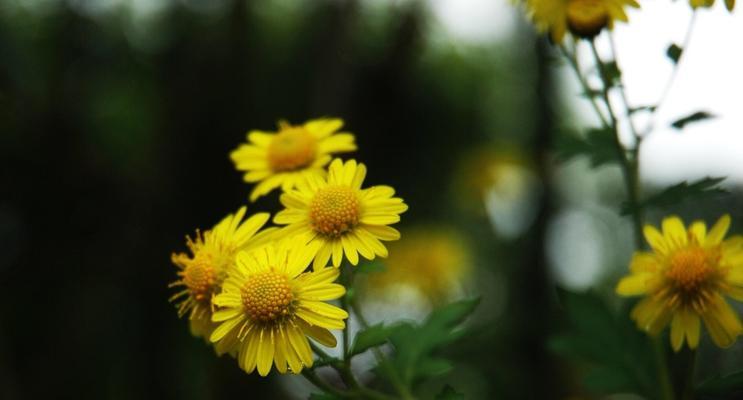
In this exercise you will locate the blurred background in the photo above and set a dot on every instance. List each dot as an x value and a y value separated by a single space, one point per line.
117 117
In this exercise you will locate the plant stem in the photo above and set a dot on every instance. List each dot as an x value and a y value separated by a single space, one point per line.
573 61
629 163
311 376
688 393
674 72
666 391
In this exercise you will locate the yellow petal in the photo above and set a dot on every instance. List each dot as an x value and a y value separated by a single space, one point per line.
677 332
698 231
722 322
691 323
655 239
633 285
265 352
718 231
674 232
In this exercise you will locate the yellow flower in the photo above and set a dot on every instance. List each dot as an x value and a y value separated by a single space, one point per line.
729 4
340 215
685 278
212 253
280 159
433 260
269 307
584 18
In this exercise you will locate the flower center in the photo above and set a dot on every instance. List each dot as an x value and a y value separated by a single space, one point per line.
291 149
586 18
200 278
267 296
692 268
334 210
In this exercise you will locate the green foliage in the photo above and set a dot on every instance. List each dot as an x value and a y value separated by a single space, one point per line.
649 108
693 117
618 357
323 396
680 192
449 393
674 52
722 387
612 73
597 145
375 335
415 345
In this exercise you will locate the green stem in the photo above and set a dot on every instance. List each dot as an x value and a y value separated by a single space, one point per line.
382 361
629 163
688 393
573 61
311 376
666 390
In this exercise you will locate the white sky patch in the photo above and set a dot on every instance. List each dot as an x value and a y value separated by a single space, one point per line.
475 21
709 78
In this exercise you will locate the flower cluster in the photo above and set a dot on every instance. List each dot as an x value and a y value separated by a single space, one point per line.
248 289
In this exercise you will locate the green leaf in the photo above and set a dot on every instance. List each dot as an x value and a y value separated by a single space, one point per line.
680 192
415 345
375 335
598 145
617 357
674 52
649 108
448 393
612 73
726 386
323 396
693 117
433 367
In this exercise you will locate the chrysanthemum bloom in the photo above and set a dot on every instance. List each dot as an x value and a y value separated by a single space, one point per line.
432 260
584 18
340 215
270 306
212 253
729 4
280 159
684 279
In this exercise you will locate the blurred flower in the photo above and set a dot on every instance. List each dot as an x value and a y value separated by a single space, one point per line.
684 279
729 4
280 159
433 260
340 215
501 183
584 18
271 306
212 254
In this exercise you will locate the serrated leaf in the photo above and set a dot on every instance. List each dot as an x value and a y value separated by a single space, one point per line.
728 386
680 192
649 108
618 357
415 345
375 335
674 52
448 393
598 145
693 117
433 367
612 73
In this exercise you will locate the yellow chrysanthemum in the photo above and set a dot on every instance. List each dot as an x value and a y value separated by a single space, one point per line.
684 279
270 306
584 18
212 253
433 260
729 4
295 152
340 215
